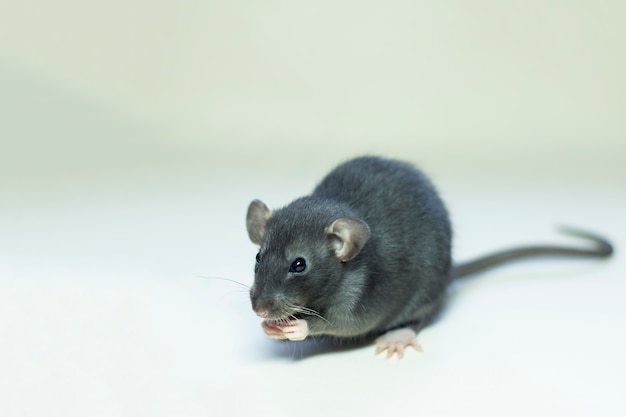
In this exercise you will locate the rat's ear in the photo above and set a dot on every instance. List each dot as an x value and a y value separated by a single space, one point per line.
256 219
347 237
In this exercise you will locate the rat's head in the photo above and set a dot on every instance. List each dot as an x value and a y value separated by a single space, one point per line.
303 248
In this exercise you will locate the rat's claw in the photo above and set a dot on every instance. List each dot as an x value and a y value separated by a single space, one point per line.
395 341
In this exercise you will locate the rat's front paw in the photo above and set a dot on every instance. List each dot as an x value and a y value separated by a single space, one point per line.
272 329
292 329
395 341
296 329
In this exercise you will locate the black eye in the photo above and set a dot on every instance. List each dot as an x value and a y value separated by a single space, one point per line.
258 261
299 265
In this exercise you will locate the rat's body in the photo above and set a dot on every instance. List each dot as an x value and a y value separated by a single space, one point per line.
368 253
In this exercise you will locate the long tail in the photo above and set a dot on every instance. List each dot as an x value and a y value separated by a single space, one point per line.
601 248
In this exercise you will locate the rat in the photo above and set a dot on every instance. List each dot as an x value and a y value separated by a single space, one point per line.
366 256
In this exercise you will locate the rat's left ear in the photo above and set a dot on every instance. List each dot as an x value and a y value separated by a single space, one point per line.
256 219
347 237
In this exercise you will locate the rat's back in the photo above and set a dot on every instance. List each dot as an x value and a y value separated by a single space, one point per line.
410 242
373 183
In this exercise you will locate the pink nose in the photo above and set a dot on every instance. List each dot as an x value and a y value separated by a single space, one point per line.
262 313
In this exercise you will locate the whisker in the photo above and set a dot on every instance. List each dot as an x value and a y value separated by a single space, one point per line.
307 311
247 287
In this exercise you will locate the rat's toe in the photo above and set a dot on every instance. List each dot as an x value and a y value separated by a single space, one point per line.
395 341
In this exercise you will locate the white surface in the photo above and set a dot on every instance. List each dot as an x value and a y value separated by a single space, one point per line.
106 311
133 138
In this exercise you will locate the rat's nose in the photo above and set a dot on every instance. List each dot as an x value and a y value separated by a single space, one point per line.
263 313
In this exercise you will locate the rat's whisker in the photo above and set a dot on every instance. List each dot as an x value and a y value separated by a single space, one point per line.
308 312
247 287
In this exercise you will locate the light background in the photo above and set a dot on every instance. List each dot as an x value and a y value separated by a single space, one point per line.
134 134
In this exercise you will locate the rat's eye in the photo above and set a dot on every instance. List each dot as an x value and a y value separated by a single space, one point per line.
299 265
258 261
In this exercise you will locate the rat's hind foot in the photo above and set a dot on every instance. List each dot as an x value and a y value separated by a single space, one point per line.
394 342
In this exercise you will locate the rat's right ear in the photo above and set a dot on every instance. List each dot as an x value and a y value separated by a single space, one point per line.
256 219
347 237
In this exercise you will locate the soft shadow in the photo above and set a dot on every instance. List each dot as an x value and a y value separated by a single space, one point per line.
323 345
310 347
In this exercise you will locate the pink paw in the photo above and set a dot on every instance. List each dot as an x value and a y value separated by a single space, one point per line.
290 329
272 329
395 341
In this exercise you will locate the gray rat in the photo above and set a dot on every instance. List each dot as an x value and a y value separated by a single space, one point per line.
366 256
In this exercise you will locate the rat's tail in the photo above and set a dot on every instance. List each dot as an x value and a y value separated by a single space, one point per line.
601 248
